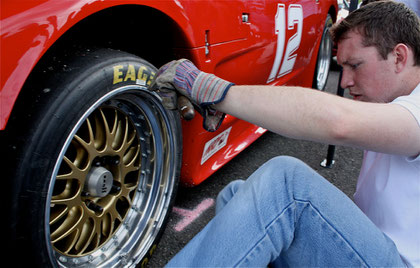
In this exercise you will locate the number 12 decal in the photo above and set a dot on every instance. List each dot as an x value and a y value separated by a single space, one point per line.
294 17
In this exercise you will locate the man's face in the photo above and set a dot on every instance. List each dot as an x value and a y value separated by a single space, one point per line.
365 73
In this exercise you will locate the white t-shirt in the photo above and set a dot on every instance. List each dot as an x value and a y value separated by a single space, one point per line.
388 192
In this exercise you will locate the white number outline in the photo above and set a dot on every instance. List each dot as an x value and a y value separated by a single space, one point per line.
294 17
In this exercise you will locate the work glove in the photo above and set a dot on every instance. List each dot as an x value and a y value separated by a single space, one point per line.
200 88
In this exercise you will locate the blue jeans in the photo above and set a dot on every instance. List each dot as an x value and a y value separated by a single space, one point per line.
286 214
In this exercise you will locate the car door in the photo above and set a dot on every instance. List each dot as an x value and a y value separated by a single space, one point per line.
280 43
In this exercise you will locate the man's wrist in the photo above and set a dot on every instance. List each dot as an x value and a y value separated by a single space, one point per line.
209 89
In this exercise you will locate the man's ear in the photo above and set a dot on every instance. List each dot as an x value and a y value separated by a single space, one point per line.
401 55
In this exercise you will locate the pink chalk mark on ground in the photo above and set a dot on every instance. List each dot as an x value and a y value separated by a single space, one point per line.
191 215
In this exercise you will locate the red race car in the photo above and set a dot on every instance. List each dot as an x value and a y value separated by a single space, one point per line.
92 160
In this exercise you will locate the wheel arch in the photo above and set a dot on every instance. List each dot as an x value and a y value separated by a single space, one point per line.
137 29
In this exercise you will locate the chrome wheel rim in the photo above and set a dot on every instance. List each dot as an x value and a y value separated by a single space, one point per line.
324 58
112 182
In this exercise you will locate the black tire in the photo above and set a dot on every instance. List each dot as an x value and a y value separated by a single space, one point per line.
324 57
96 164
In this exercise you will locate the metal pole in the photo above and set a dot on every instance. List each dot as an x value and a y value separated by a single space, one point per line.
329 161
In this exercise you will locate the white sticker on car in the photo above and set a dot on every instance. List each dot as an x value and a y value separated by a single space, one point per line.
215 144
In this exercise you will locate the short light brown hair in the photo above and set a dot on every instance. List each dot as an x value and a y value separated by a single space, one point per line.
382 24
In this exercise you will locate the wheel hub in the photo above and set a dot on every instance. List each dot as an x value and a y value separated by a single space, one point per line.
99 182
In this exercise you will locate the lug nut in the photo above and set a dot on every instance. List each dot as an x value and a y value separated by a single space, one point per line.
116 160
111 160
115 189
93 206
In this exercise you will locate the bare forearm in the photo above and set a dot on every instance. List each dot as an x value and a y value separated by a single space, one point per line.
303 113
290 111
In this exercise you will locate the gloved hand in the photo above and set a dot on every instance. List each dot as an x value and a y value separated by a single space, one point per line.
202 89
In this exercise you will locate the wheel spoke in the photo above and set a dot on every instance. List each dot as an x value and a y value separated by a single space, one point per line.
87 235
58 213
130 157
68 226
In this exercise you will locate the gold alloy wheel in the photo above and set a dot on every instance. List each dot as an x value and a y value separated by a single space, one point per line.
113 182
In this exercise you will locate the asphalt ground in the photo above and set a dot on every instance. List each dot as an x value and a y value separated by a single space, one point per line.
194 207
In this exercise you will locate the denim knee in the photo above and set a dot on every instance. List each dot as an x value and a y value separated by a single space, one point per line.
226 194
281 167
271 174
285 162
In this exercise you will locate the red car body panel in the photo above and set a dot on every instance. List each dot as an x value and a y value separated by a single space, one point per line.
238 40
